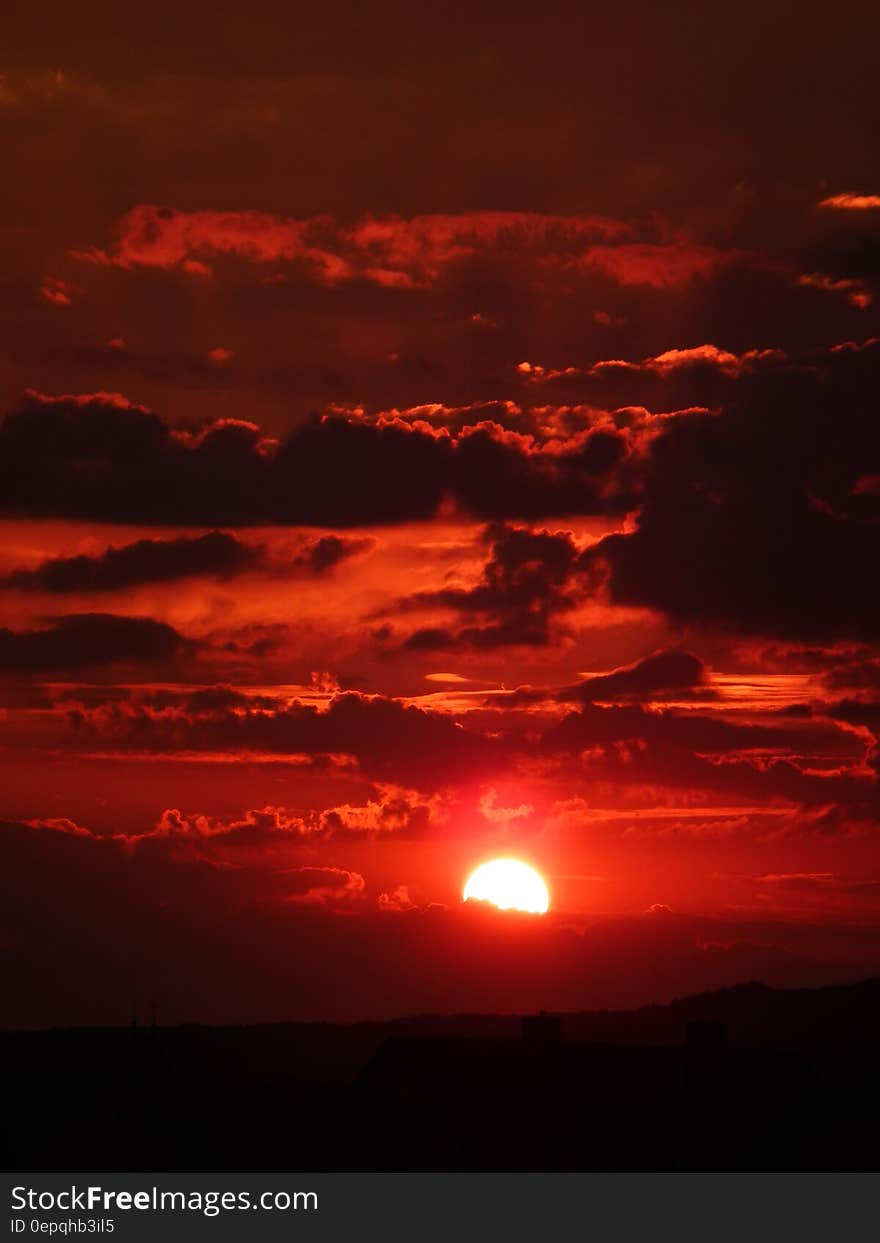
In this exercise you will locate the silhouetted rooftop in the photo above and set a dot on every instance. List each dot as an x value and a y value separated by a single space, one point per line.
509 1104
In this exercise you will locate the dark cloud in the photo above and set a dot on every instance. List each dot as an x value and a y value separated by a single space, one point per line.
864 712
389 738
325 554
194 702
632 747
856 675
100 457
662 673
820 883
753 518
498 476
847 248
776 473
189 700
806 761
91 640
219 554
145 561
527 584
598 726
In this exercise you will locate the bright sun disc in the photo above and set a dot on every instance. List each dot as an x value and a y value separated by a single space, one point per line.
509 885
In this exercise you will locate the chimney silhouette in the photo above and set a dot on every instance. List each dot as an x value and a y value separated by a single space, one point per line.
541 1030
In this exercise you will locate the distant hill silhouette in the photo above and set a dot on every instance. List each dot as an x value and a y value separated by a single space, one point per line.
741 1078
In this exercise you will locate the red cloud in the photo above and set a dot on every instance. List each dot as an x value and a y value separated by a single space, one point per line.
399 252
324 886
852 202
60 824
58 292
857 292
670 361
662 266
397 812
420 247
152 236
397 900
255 825
246 843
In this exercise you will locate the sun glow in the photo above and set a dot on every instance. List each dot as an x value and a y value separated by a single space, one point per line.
509 885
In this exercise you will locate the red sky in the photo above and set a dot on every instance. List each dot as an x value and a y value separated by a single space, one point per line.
426 438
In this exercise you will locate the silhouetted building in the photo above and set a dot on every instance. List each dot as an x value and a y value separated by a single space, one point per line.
747 1078
542 1104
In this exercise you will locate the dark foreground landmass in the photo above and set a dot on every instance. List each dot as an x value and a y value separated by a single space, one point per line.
746 1078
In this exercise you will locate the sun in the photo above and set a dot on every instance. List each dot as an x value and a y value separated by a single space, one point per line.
509 885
